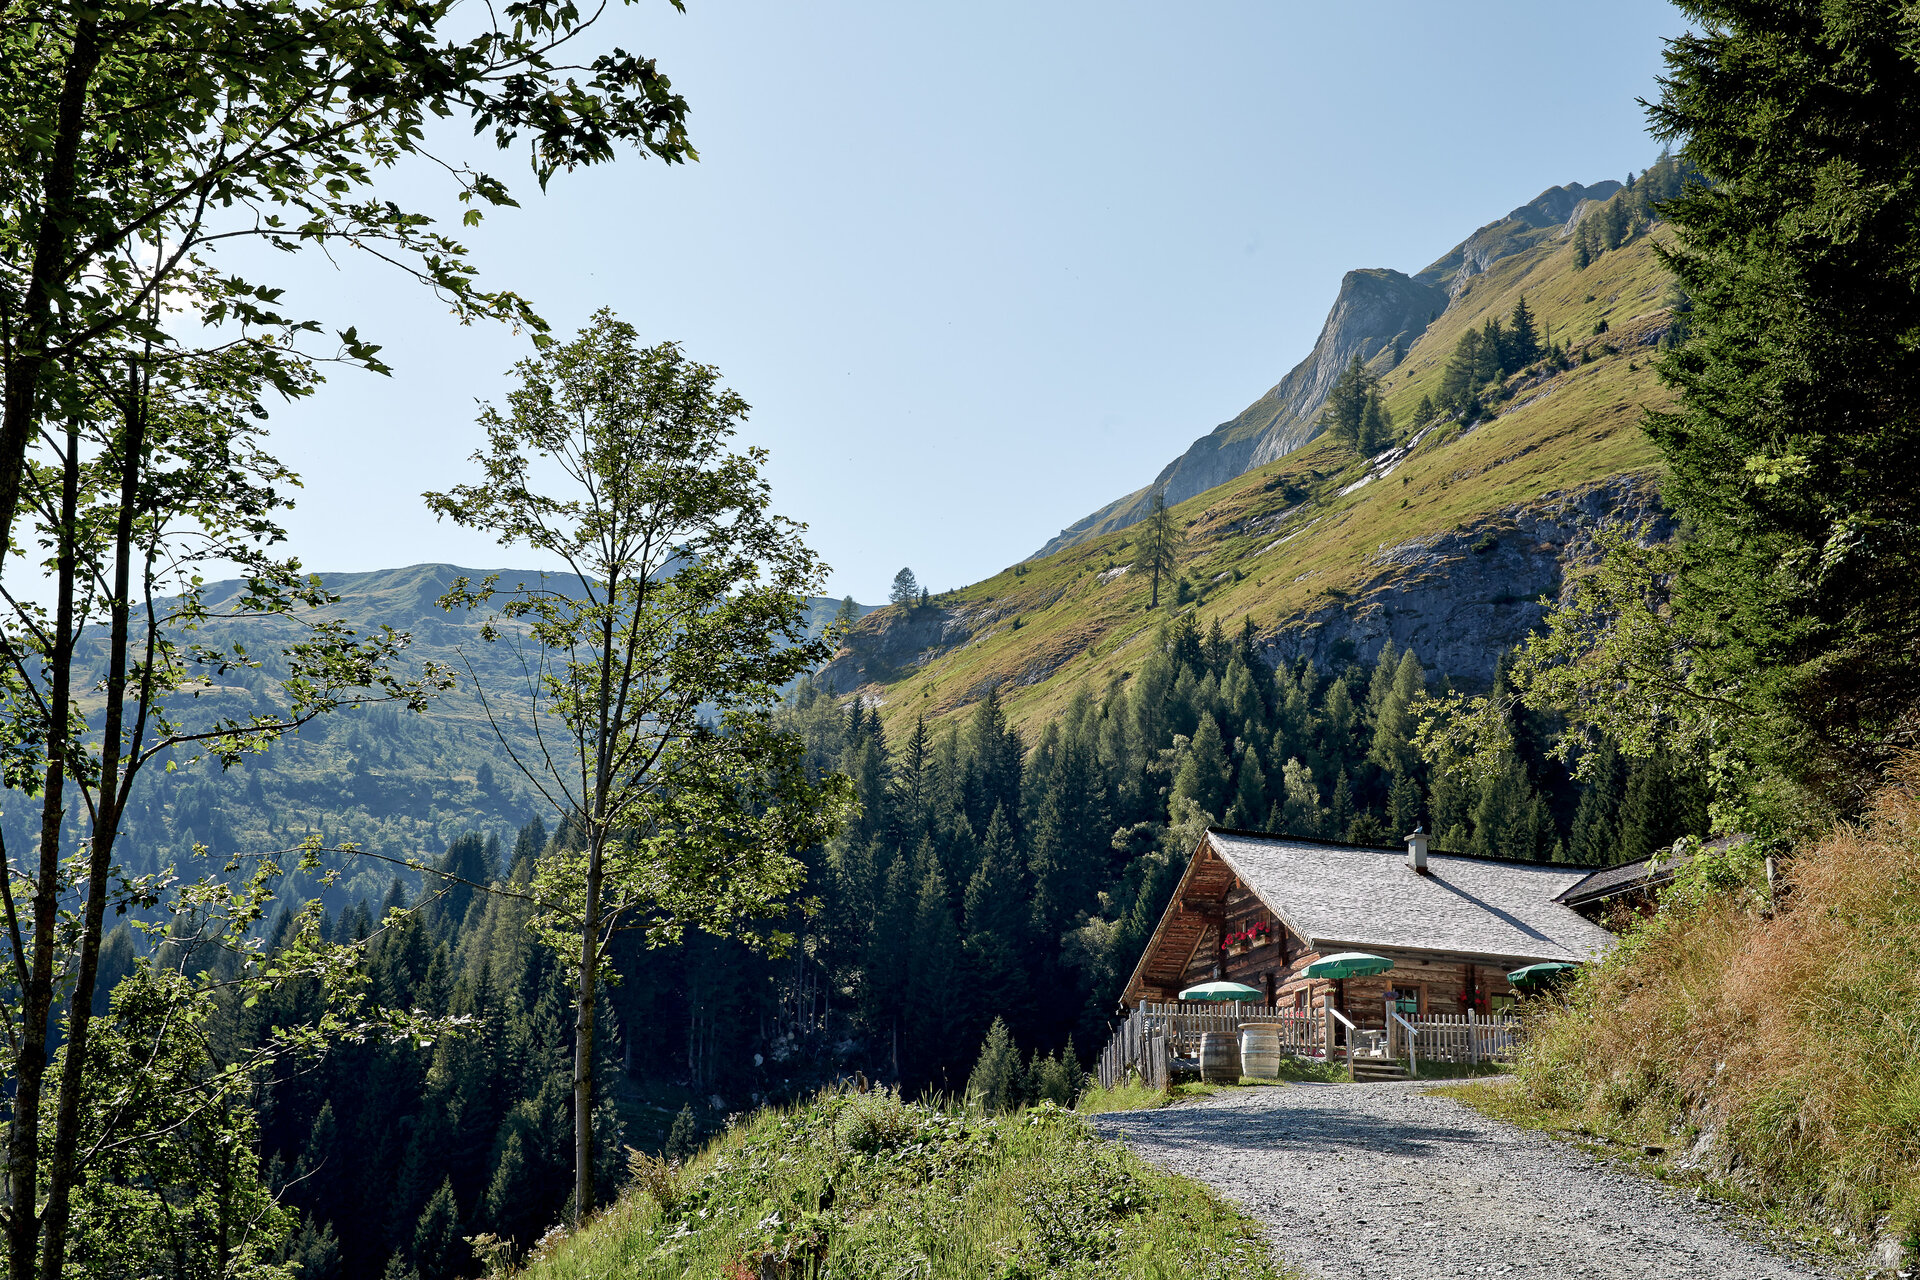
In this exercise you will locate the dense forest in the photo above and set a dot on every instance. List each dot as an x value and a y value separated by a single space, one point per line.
985 877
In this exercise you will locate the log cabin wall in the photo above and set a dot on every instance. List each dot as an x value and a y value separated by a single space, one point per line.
1442 984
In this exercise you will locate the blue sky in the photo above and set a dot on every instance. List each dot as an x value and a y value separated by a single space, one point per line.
979 267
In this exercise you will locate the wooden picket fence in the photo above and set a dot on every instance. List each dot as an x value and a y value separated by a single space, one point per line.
1154 1034
1468 1037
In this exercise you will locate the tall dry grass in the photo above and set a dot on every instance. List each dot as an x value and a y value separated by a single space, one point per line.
1783 1045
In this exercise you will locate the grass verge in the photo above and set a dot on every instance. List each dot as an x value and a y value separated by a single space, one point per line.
1768 1052
1462 1070
861 1185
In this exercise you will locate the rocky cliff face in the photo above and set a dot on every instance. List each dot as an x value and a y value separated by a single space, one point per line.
1377 312
1461 599
1458 599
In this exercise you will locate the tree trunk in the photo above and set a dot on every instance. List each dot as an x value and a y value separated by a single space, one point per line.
583 1036
53 242
73 1085
30 1060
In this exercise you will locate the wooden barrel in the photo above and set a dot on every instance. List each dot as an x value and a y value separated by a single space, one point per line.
1219 1056
1260 1050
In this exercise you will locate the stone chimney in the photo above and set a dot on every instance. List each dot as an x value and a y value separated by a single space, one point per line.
1417 850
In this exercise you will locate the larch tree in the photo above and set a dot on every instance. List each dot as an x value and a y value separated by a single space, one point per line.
1160 539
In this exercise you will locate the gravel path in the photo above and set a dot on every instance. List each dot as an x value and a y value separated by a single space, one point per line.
1385 1180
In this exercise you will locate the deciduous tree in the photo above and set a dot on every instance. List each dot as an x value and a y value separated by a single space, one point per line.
684 601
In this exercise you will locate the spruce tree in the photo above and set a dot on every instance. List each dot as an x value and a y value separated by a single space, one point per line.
1376 424
1522 338
1799 387
933 969
1202 777
1340 810
1249 807
1596 819
1460 380
995 1081
683 1139
1300 813
439 1251
1344 415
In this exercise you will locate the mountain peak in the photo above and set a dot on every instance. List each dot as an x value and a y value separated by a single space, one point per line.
1377 315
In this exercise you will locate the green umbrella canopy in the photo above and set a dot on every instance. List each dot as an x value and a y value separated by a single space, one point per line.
1222 991
1536 973
1349 964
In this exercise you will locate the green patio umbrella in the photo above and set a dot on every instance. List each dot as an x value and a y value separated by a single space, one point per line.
1349 964
1534 974
1222 991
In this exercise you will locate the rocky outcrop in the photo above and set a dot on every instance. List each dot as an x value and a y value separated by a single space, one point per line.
891 643
1378 312
1543 217
1462 598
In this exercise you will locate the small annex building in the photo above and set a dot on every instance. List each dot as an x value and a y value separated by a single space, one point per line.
1258 909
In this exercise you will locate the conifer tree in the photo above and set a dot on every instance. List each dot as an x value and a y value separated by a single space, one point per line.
1345 413
995 1081
1460 381
1799 385
439 1252
1522 338
1249 807
905 589
1596 820
1340 812
1160 539
1300 814
933 971
1202 777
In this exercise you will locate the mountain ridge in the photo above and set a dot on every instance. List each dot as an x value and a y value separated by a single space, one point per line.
1377 315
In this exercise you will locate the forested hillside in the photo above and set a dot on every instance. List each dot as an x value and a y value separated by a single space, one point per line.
396 783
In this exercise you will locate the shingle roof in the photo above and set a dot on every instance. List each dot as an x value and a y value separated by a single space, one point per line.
1360 897
1608 881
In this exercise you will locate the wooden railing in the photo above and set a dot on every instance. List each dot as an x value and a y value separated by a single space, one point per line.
1153 1035
1468 1037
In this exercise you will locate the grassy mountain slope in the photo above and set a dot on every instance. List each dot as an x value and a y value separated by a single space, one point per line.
864 1185
1448 538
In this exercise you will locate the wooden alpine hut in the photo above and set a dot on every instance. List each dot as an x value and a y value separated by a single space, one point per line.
1259 909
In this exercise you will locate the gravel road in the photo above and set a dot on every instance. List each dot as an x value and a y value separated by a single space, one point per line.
1386 1180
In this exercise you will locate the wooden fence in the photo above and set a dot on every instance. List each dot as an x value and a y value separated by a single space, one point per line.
1456 1037
1154 1036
